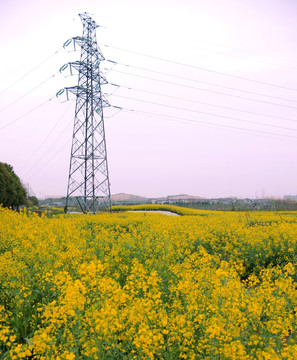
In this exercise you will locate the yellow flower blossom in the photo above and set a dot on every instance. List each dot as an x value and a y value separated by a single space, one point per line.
205 285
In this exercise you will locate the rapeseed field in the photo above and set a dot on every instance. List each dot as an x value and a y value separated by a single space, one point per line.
206 285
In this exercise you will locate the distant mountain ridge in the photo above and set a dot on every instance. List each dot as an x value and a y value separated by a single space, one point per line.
136 198
131 198
183 197
128 197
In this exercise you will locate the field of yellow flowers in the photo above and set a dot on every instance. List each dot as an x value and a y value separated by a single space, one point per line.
207 285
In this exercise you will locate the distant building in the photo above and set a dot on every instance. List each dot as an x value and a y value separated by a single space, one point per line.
290 197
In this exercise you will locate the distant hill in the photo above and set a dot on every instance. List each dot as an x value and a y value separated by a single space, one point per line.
128 198
122 197
183 197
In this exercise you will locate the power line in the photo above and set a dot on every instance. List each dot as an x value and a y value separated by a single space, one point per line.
208 124
27 113
199 68
30 72
34 55
207 90
27 93
47 149
201 102
51 158
199 81
250 52
207 113
48 135
168 34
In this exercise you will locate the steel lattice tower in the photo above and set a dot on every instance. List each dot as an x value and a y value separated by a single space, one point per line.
88 181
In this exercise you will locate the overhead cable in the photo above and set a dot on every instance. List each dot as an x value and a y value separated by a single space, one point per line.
207 113
207 90
200 68
27 93
200 81
29 72
27 113
168 34
51 146
209 124
42 142
199 102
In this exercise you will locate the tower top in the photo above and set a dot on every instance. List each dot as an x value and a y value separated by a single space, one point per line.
86 19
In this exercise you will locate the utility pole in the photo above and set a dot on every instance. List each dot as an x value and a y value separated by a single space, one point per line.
88 180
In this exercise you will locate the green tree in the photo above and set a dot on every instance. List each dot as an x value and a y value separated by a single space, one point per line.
32 201
12 192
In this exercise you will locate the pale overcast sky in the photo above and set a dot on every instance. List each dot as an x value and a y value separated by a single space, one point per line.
212 85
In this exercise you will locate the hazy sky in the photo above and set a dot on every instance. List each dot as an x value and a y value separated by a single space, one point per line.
212 85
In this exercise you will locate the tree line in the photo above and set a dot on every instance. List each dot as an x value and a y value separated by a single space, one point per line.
12 192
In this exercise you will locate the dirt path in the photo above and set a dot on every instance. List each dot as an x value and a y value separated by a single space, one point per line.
169 213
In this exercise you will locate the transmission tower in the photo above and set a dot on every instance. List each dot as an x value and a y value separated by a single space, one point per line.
88 181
